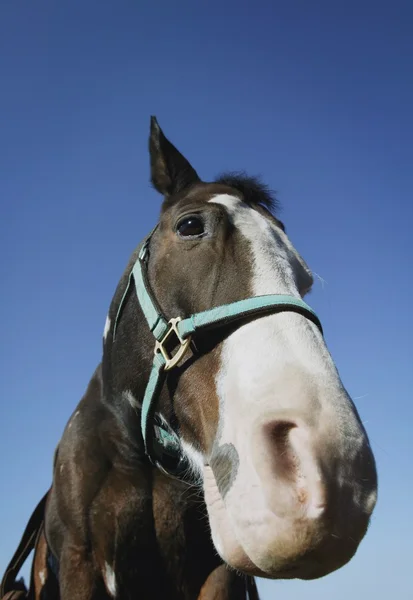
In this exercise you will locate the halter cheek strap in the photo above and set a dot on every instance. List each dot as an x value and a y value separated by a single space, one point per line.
164 447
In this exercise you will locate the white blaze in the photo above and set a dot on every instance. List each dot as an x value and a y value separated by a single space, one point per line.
281 338
293 436
272 366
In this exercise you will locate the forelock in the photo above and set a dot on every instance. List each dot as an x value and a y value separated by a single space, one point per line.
253 190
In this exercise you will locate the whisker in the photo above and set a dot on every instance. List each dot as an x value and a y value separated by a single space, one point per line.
361 397
320 279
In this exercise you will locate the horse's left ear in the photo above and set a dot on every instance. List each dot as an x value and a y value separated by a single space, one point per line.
170 171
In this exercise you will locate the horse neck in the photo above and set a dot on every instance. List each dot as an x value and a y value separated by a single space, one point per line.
189 559
182 557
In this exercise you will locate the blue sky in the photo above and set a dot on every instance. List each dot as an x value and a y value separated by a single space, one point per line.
317 98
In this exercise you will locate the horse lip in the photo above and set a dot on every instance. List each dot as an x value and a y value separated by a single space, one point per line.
298 570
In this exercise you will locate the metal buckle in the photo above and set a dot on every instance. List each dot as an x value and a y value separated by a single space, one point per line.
172 361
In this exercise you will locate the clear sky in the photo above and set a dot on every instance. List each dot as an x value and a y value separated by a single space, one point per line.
316 97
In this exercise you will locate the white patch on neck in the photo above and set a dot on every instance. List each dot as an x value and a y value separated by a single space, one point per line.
127 394
110 580
73 418
107 327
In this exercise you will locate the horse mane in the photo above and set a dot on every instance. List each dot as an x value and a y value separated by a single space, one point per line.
254 191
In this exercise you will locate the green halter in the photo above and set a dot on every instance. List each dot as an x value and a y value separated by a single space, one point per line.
163 447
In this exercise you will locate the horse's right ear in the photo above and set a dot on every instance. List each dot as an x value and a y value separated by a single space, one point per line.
170 171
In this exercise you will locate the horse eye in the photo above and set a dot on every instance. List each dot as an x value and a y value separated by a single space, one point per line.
191 227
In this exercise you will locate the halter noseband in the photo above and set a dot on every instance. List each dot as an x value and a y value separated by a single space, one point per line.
164 449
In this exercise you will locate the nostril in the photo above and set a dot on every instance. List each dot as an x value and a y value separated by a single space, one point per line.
280 429
282 455
288 469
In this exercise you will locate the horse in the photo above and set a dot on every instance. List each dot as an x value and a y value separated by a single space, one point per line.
215 442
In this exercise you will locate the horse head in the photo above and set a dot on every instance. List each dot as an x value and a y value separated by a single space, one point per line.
256 407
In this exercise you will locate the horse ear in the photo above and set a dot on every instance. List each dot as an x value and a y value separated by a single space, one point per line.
170 171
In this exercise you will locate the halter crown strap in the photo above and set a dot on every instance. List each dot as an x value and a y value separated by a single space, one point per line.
167 443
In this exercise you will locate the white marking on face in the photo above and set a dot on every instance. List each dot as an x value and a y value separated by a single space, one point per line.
274 257
110 580
61 468
42 576
127 394
277 269
107 327
275 371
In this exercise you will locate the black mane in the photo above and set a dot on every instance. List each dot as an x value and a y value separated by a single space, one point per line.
253 190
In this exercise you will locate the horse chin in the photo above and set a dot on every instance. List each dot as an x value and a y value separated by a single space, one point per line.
288 555
223 536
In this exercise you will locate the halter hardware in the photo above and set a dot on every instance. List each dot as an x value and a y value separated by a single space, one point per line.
163 446
172 361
